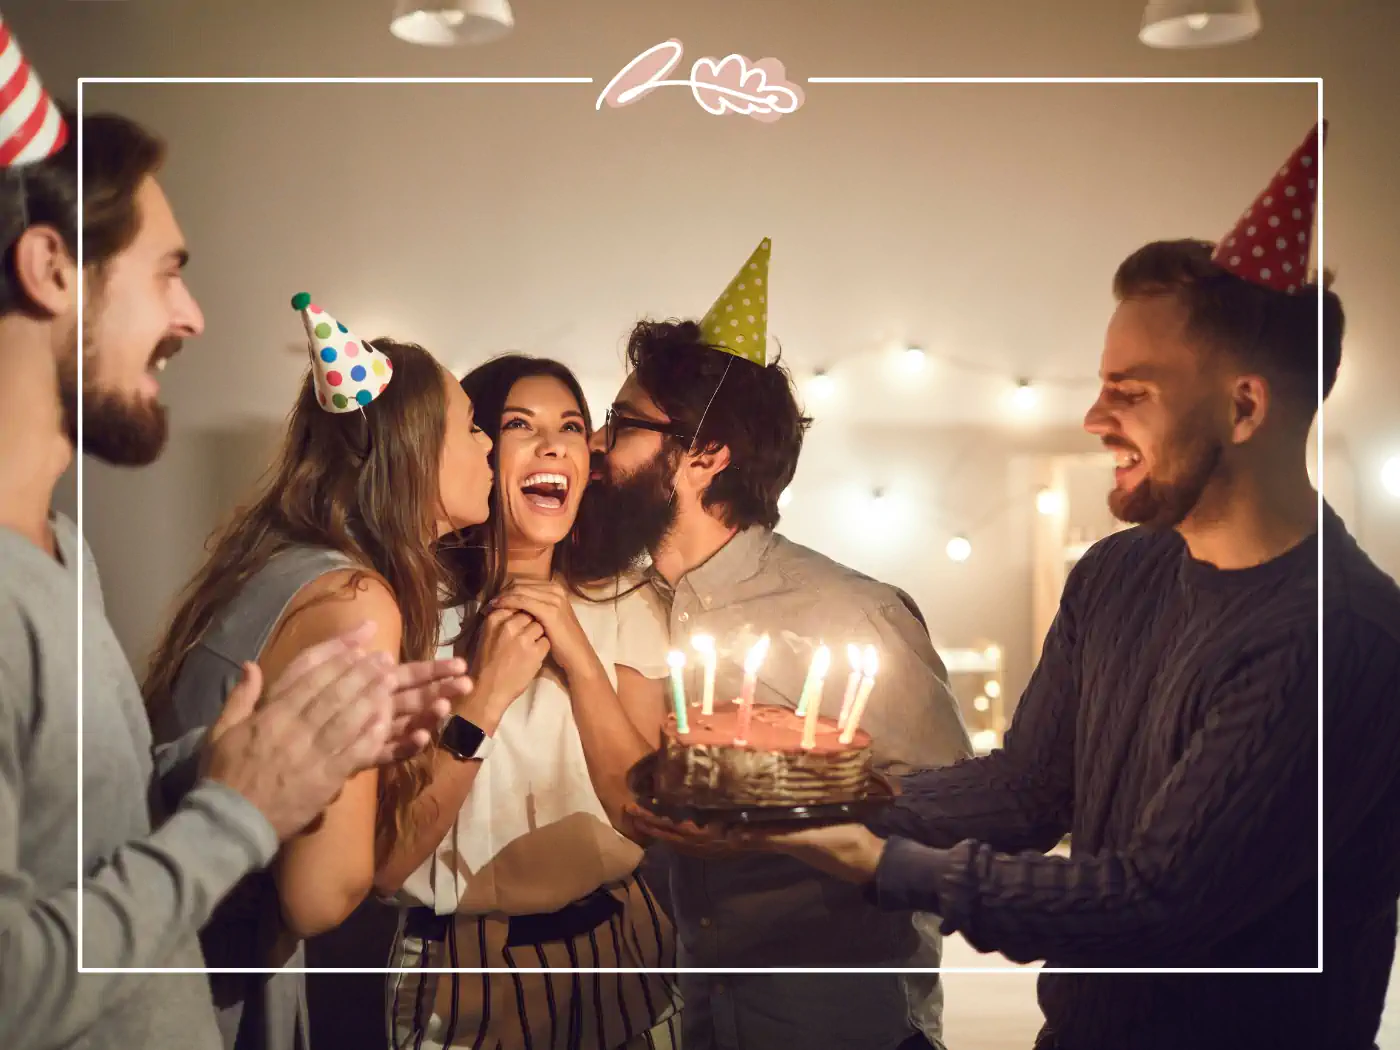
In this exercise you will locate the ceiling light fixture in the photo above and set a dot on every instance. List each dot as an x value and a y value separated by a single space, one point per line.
448 23
1198 23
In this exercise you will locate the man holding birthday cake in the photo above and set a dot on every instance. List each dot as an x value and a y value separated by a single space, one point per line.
699 444
1172 725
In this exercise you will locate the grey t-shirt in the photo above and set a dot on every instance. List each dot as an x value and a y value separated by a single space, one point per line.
144 893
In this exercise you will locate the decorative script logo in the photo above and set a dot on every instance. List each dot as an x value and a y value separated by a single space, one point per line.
728 85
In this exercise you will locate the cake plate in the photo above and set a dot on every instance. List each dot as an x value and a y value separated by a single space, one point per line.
641 779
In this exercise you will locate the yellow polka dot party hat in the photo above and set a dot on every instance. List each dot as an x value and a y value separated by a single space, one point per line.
349 372
738 322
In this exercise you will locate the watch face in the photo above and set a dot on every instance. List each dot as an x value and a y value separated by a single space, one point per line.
462 738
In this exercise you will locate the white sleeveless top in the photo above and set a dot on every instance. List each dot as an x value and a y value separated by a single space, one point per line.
532 835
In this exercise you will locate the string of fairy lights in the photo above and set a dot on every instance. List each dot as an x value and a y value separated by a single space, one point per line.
1023 394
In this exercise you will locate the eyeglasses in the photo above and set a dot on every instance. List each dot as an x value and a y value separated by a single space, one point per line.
614 423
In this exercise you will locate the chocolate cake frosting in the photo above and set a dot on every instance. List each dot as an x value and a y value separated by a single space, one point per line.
704 767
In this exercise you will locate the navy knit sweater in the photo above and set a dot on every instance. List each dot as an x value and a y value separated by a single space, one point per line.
1171 728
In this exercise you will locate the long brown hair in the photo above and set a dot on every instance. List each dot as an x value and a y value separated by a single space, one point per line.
478 555
363 483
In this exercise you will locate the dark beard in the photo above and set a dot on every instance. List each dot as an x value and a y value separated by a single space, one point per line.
1156 504
621 519
126 432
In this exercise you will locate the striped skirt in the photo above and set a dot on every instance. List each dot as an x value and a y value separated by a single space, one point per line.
529 1008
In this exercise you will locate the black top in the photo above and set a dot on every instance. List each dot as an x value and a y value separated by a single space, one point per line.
1171 729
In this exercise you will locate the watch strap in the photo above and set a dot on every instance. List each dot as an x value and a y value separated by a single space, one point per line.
464 739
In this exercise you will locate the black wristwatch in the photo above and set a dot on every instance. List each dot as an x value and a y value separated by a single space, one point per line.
464 740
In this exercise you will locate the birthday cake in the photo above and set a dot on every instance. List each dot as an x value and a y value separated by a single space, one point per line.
706 767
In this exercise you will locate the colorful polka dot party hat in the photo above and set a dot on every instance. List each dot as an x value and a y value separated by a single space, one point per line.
738 322
1272 242
31 127
349 372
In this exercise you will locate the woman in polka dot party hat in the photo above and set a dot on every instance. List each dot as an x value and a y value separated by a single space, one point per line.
382 459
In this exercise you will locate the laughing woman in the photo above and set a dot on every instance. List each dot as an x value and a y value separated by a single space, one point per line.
510 857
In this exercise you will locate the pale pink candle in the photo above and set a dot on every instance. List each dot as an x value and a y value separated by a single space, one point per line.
872 665
751 665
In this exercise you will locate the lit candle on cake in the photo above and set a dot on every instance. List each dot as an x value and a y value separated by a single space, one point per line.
853 654
812 695
816 675
872 664
751 665
676 659
705 646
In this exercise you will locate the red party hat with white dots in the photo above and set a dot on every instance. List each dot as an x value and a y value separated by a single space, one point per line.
31 127
349 372
1272 242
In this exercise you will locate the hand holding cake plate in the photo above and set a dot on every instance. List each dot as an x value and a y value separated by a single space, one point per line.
850 852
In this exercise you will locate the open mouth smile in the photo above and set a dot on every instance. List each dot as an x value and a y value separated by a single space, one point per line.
546 492
1130 469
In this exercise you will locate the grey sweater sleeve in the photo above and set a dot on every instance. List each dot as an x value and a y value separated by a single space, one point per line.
150 895
177 765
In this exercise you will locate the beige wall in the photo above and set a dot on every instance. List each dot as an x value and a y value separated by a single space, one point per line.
981 221
147 528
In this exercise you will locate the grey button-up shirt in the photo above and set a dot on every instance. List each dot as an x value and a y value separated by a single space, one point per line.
773 911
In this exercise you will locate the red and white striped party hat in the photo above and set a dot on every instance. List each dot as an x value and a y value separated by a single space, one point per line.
31 127
1272 242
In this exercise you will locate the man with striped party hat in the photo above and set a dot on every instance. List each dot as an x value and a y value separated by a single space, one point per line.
699 445
145 875
31 127
1171 728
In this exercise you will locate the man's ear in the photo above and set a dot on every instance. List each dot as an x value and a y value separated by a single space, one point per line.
1250 401
46 273
698 469
707 463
